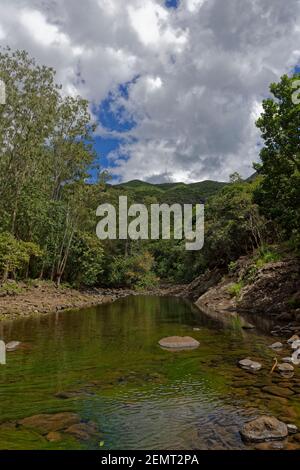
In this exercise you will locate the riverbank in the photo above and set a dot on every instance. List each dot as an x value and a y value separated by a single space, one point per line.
18 300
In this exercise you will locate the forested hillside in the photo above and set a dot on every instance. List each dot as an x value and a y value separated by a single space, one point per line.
172 193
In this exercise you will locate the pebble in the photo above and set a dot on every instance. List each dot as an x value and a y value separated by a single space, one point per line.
287 360
292 339
296 344
250 365
292 429
277 345
12 346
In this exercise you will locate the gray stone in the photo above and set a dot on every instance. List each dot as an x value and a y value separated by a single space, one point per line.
277 345
285 368
12 346
250 365
292 339
179 342
292 429
296 357
287 360
296 344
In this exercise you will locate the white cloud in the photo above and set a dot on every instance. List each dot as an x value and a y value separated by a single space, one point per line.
2 33
202 70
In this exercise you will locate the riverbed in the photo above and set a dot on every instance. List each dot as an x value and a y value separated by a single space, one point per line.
104 364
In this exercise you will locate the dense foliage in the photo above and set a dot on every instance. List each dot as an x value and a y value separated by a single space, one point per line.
47 212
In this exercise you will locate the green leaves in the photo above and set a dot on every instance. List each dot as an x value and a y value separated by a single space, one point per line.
279 193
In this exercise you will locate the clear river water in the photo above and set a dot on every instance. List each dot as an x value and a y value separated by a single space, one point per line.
105 364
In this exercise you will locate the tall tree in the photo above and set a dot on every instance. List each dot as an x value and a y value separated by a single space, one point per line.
279 193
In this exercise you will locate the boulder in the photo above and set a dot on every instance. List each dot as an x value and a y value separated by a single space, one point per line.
248 364
264 428
179 342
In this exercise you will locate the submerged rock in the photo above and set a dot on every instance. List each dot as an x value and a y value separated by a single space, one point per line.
179 342
12 346
287 360
46 423
248 364
264 428
278 391
286 370
296 357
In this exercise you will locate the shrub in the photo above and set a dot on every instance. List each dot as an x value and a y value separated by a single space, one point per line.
235 289
133 271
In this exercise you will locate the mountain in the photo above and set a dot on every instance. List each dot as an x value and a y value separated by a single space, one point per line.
171 193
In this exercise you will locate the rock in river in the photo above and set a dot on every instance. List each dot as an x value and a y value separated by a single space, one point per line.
179 342
46 423
292 428
264 428
287 360
296 344
252 366
286 370
82 431
12 346
292 339
54 436
278 391
276 345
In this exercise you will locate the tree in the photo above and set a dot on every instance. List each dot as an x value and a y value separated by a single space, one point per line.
279 193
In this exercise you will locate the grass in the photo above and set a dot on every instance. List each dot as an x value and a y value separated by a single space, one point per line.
10 288
266 255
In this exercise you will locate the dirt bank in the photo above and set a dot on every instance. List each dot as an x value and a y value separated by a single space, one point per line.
41 297
270 291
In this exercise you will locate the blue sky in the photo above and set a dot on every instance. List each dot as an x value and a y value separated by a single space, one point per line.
108 119
112 122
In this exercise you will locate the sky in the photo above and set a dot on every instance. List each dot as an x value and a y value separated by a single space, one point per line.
175 86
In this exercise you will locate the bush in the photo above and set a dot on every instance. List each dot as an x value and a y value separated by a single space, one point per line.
15 255
235 289
133 271
85 264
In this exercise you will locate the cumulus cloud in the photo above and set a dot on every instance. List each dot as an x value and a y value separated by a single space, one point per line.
196 74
